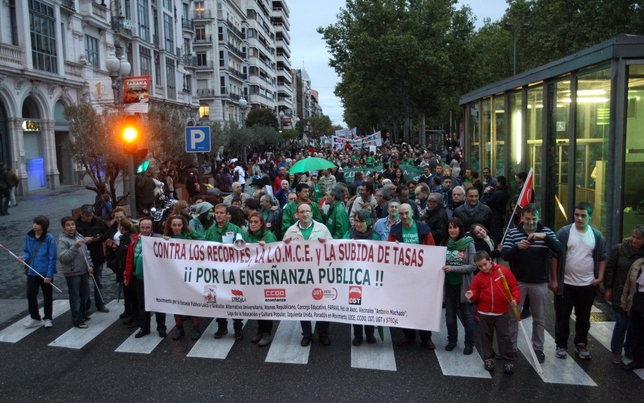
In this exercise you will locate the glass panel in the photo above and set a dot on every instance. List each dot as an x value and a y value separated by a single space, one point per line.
474 135
535 138
591 143
486 135
634 158
498 140
559 133
516 139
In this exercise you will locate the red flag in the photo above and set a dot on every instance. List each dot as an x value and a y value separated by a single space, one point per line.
525 197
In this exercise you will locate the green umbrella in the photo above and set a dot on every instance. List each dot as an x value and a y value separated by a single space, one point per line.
310 164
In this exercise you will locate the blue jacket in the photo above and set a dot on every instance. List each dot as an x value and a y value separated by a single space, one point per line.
45 260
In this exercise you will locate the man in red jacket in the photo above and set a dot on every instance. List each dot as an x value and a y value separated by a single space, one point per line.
494 309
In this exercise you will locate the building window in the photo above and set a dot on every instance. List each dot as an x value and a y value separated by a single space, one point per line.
200 33
167 4
128 12
146 61
14 22
157 70
221 58
43 36
221 34
91 50
200 11
144 20
62 40
168 32
171 79
202 59
204 111
187 83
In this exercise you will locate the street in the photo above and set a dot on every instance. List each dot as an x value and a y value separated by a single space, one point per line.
106 363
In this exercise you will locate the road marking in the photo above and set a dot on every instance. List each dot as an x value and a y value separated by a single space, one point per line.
208 347
286 348
455 363
378 356
603 333
77 338
555 370
146 344
17 331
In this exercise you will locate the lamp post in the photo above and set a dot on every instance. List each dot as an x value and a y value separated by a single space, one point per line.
119 68
242 105
511 27
281 115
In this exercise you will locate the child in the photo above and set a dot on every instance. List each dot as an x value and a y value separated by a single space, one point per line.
494 310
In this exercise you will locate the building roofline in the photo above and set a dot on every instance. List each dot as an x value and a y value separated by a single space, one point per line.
622 46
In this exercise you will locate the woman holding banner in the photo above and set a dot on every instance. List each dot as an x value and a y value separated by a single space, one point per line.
362 229
177 228
257 233
459 271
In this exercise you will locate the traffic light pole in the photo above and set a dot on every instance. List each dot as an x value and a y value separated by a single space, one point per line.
132 186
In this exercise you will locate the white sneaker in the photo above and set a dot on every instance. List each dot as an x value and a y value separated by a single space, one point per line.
32 323
48 323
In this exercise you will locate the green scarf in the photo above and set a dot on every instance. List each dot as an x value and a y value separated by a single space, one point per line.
459 245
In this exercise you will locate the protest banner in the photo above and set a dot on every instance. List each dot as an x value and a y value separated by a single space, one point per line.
348 281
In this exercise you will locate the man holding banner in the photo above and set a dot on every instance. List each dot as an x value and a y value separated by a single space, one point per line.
411 231
307 229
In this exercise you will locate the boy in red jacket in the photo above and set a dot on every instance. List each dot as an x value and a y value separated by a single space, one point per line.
494 310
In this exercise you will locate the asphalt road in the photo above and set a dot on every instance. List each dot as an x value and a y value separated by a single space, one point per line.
32 369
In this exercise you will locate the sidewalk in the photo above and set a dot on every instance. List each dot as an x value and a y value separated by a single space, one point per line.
55 204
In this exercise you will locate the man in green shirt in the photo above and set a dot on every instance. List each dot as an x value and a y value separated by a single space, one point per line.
337 219
302 190
216 233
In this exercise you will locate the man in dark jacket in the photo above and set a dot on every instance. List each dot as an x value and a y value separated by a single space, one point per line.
497 200
94 230
436 217
5 192
473 211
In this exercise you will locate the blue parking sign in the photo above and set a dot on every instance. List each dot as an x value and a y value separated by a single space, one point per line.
198 139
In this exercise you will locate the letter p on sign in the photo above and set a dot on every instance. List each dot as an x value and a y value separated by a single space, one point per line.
198 139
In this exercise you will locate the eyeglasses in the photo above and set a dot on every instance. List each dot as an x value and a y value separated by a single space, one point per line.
357 220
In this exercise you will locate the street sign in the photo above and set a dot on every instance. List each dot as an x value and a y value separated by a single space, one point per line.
198 139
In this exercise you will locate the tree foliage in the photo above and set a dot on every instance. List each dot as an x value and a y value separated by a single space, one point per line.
165 130
262 117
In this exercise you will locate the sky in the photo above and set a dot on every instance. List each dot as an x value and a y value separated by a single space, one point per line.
308 50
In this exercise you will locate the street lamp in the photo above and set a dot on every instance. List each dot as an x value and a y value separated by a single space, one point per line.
511 27
281 120
242 105
119 68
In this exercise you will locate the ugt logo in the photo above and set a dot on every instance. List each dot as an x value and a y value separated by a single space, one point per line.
355 295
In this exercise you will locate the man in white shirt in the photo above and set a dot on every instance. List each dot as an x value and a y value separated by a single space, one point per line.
574 278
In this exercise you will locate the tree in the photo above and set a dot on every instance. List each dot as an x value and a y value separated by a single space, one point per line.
96 145
165 129
263 117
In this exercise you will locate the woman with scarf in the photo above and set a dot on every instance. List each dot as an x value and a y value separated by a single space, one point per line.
257 233
459 271
362 230
177 228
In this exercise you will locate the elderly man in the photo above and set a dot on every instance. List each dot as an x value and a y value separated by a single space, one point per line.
422 193
436 217
458 198
307 229
236 194
411 231
383 225
382 197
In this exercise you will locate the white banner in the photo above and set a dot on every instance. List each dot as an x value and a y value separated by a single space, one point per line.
362 282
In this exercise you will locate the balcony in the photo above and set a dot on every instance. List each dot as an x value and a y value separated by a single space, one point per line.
187 24
281 86
202 15
281 43
209 65
119 27
283 58
237 74
282 71
68 4
190 61
94 13
204 41
239 53
205 93
11 54
235 31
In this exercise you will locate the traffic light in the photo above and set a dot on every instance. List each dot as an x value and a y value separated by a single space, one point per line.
139 160
130 134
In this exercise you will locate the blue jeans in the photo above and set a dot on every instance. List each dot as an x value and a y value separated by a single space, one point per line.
78 293
622 328
98 291
453 305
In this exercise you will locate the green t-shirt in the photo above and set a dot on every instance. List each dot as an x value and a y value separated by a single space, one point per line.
138 259
410 235
306 233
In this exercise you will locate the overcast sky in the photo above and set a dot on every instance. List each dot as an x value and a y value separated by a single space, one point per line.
308 50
